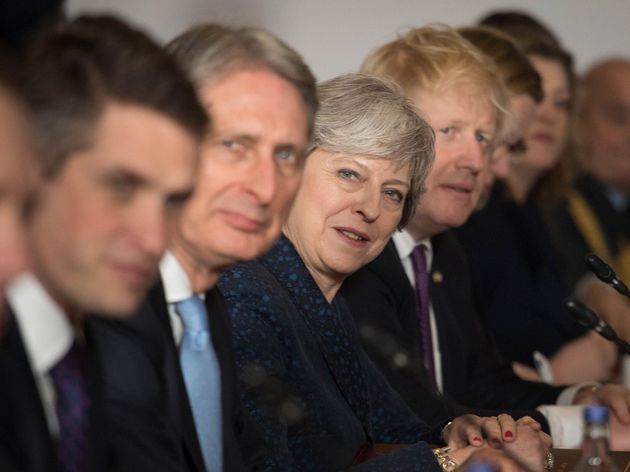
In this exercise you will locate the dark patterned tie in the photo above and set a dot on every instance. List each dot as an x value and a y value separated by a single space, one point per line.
73 405
419 261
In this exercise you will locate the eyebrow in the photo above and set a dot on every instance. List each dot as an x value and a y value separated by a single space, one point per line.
132 176
252 139
364 167
397 182
246 137
181 195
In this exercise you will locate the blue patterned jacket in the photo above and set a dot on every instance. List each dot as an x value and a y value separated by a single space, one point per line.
314 392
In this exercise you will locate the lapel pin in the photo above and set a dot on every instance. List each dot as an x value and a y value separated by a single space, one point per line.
437 277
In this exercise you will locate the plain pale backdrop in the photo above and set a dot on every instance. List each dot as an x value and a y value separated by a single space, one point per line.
335 35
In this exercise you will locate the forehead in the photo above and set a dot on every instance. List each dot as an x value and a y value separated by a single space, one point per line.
551 72
138 139
614 85
256 102
464 104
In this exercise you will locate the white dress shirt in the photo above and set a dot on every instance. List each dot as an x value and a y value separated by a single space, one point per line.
405 245
176 288
565 420
47 334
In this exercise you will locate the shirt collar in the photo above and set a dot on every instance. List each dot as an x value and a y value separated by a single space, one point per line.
45 329
174 278
405 244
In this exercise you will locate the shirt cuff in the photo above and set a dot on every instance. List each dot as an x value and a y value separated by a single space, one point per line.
565 424
567 396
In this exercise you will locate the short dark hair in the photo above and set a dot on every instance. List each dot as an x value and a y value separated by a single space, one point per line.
518 73
74 69
534 38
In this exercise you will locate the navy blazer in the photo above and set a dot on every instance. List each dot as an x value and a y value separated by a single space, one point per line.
517 278
307 382
25 441
475 378
143 375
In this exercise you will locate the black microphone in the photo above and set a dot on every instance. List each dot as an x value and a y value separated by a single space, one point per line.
606 274
589 319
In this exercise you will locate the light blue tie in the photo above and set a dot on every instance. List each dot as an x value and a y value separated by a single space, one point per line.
202 376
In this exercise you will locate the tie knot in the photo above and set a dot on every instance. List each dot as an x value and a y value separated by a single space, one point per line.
419 258
70 368
193 314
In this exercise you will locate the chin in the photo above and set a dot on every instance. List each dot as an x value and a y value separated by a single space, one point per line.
119 307
347 268
455 220
242 253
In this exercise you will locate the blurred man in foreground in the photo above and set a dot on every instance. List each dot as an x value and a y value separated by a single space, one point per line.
117 159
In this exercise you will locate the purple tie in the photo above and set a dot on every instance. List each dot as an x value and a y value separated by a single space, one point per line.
419 260
73 404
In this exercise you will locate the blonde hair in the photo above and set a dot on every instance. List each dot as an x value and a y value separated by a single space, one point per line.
436 58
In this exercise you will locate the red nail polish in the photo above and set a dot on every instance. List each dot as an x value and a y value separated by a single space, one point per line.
508 435
476 439
496 442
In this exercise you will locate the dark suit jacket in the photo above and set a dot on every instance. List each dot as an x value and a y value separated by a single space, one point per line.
475 379
517 277
25 441
308 384
142 373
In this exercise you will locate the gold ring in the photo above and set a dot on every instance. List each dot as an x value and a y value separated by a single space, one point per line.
549 460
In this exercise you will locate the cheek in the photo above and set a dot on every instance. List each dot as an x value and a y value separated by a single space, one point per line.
432 178
95 220
609 136
389 223
11 244
285 196
563 126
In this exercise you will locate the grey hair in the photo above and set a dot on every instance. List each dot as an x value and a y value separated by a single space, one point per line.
361 114
209 51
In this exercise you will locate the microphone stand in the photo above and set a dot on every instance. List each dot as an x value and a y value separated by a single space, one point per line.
590 320
606 274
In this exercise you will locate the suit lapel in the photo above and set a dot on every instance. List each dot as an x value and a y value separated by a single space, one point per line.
23 421
325 323
443 307
391 267
98 450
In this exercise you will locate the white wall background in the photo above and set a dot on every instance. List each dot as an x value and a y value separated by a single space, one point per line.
335 35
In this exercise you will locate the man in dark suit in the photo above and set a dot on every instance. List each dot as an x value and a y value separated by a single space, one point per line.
596 215
261 99
414 303
116 157
605 190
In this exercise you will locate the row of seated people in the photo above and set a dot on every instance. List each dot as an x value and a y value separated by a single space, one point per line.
186 165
